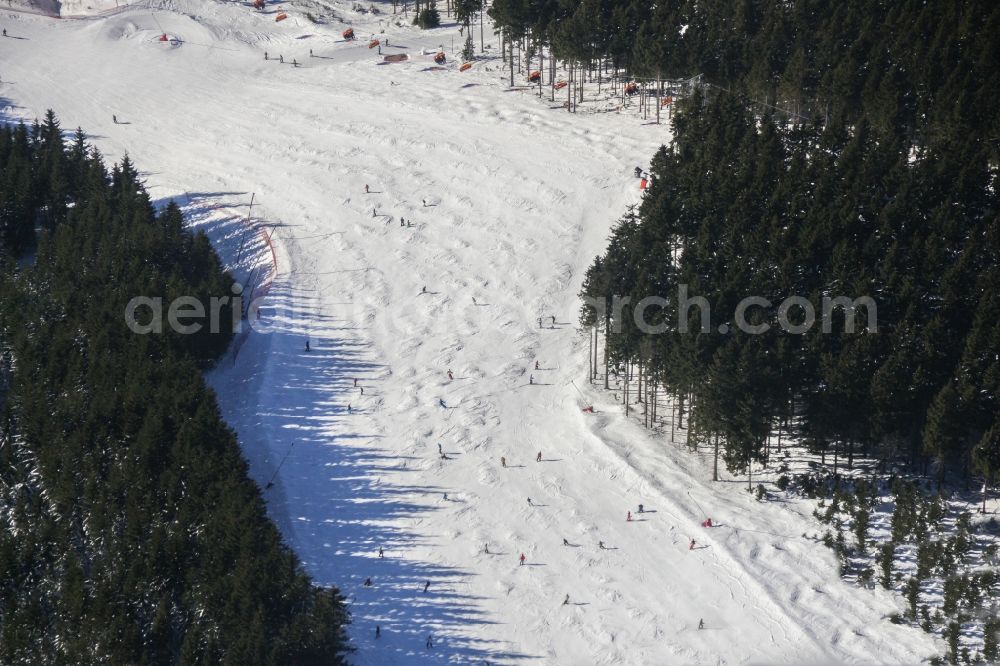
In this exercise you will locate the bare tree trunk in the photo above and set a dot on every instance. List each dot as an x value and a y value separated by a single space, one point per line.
715 463
659 85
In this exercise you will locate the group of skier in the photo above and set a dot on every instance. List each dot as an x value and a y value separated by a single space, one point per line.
522 558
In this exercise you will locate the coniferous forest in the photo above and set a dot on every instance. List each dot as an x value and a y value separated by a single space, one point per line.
834 150
129 530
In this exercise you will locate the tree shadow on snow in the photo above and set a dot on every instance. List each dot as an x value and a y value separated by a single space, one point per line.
339 493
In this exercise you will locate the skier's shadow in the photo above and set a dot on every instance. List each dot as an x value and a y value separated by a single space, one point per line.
700 547
429 293
481 305
645 511
579 603
551 460
537 505
539 384
122 122
610 548
534 564
518 467
638 520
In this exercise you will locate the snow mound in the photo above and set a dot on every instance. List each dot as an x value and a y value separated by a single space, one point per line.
68 7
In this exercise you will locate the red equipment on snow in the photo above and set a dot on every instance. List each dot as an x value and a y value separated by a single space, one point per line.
589 410
631 88
164 38
372 44
535 77
643 183
348 34
707 522
465 66
258 4
439 58
280 17
560 85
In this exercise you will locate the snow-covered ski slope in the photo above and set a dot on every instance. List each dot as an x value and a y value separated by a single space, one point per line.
520 197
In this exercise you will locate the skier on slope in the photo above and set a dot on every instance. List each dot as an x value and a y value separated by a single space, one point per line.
701 623
378 631
522 558
566 600
381 553
503 462
366 187
441 402
536 365
265 55
281 59
628 518
530 503
691 545
450 376
439 448
531 380
114 118
538 458
368 582
565 542
600 544
640 508
430 642
349 408
427 584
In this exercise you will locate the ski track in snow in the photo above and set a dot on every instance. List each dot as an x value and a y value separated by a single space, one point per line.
520 199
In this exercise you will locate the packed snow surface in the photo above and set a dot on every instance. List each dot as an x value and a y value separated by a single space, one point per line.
507 198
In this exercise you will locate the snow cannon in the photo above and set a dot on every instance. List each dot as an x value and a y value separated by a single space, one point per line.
588 410
631 88
534 77
667 101
466 66
396 57
258 4
643 183
560 85
372 44
164 38
439 58
280 17
348 34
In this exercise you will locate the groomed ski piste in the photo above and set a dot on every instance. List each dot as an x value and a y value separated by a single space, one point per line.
507 199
